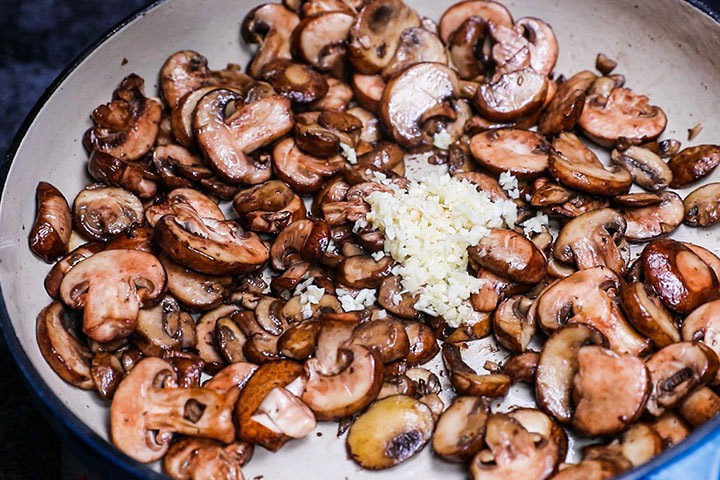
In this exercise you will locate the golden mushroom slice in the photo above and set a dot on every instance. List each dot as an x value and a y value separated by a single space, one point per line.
647 167
391 431
416 45
521 152
703 325
320 40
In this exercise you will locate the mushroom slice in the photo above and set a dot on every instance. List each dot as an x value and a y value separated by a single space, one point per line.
693 163
574 165
127 127
101 212
592 240
648 314
706 255
560 200
597 469
297 82
389 432
460 431
195 290
132 176
205 329
183 72
302 240
466 381
210 246
463 46
587 296
191 458
336 100
647 223
521 367
303 172
513 95
488 10
558 366
392 298
386 337
417 45
414 96
702 207
646 167
671 428
267 411
375 34
271 25
363 271
484 183
521 152
700 406
227 141
268 207
494 290
609 391
681 279
355 383
320 40
535 421
423 342
641 443
564 110
298 342
541 42
164 327
112 286
512 327
59 270
703 325
107 372
677 370
623 113
368 90
61 349
513 452
182 199
510 255
50 233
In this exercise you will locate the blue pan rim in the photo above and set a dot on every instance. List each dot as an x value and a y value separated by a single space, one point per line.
80 432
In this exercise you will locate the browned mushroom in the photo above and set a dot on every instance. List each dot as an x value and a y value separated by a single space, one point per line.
648 315
466 381
101 212
521 152
513 95
649 222
205 330
671 428
303 172
269 207
50 233
111 286
702 207
271 25
564 110
561 200
609 391
646 167
368 90
700 406
389 432
301 240
460 431
703 325
423 343
194 458
320 40
195 290
510 255
416 45
164 327
541 42
183 72
363 271
57 272
622 113
681 279
132 176
488 10
692 164
512 327
107 372
179 200
463 46
297 82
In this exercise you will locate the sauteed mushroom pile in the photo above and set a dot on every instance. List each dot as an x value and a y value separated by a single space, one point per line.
226 282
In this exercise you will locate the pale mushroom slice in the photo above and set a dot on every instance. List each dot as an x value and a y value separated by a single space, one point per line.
488 10
513 452
521 152
511 255
649 222
195 290
467 381
574 165
700 406
61 348
512 96
587 297
671 428
677 275
417 45
303 172
646 167
622 113
676 370
541 42
557 367
368 90
460 430
111 287
391 431
417 94
337 98
270 25
512 327
50 232
609 391
529 43
693 163
191 458
227 141
320 40
538 422
702 207
375 34
101 212
648 314
703 325
127 127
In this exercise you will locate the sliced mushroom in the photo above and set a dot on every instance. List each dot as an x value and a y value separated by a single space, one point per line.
320 40
416 45
51 229
375 34
227 141
337 99
513 95
386 337
521 152
391 431
702 207
622 113
181 199
126 127
512 327
513 452
302 240
101 212
692 164
297 82
303 172
648 315
574 165
510 255
268 207
564 110
392 298
164 327
132 176
677 370
61 348
521 367
298 342
111 286
363 271
423 343
463 46
183 72
194 458
271 25
560 200
646 167
703 325
460 431
535 421
368 90
647 223
700 406
596 469
193 289
592 240
59 270
681 279
488 10
107 372
609 391
541 41
205 330
671 428
414 96
466 381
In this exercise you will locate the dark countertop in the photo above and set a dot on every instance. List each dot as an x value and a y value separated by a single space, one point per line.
38 39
